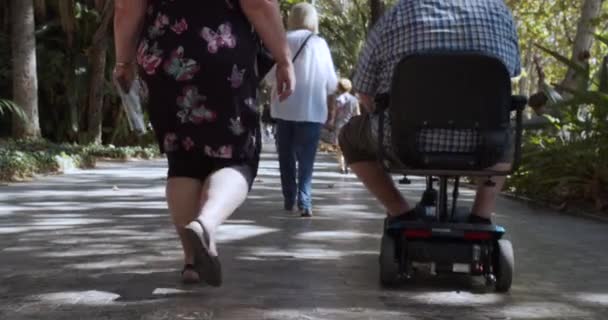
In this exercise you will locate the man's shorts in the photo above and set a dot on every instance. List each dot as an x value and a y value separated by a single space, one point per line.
359 143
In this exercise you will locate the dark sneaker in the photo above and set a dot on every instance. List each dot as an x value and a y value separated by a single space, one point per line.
475 219
306 213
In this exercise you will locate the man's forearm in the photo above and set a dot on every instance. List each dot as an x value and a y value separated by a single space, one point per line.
128 19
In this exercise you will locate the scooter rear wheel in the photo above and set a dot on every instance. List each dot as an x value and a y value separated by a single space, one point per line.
504 265
389 265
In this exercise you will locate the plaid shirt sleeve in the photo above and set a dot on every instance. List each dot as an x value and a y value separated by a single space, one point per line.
367 74
516 63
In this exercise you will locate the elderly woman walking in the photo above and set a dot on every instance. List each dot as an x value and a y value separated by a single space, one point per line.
344 108
301 116
197 59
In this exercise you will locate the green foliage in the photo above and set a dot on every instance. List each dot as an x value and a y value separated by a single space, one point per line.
7 106
560 173
569 163
21 159
344 25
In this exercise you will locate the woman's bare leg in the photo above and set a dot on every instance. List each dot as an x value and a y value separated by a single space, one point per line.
224 191
183 198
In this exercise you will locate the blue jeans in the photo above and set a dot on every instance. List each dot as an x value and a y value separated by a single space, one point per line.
297 142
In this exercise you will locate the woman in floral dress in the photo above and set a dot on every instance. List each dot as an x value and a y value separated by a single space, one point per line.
197 59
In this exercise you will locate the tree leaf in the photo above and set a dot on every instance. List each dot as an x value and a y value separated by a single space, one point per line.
9 106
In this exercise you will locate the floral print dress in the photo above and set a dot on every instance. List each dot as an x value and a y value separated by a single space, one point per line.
197 61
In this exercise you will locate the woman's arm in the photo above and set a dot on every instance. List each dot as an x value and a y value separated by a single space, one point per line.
266 18
331 105
128 19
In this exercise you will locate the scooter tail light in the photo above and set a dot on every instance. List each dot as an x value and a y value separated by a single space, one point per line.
417 233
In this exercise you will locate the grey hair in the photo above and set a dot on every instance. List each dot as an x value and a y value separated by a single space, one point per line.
303 16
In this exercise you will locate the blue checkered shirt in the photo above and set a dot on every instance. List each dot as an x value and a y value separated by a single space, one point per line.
415 26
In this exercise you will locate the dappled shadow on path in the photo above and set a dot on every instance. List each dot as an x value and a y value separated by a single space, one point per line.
99 245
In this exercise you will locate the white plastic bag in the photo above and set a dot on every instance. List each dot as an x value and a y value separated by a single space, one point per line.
131 103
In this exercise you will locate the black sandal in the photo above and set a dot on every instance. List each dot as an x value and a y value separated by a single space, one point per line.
205 264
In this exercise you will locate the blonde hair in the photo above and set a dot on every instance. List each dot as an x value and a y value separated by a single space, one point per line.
303 16
345 85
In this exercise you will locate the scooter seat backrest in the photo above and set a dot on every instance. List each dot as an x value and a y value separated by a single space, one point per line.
450 111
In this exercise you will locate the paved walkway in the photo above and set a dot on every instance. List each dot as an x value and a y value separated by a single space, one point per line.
98 244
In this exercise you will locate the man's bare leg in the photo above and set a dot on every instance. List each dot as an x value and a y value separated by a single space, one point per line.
485 199
381 185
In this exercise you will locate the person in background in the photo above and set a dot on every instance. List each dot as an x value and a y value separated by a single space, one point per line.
197 60
301 116
345 107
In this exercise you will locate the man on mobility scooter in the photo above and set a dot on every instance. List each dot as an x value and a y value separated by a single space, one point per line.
439 74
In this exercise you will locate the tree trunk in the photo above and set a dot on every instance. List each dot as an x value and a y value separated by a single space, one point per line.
67 17
583 41
40 11
377 10
25 79
97 60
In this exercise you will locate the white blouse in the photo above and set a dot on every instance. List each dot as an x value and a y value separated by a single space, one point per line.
315 80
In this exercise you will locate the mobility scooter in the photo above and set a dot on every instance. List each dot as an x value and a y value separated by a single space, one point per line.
450 116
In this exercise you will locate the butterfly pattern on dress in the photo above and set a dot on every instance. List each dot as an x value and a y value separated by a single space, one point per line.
192 107
223 152
188 143
180 26
250 103
169 142
149 58
222 38
157 29
236 126
236 78
179 49
182 69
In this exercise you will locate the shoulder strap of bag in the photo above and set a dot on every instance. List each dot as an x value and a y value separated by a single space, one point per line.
302 46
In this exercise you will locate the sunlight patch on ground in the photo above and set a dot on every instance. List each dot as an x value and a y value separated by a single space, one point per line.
72 253
10 210
140 204
260 253
106 264
235 232
23 249
593 298
334 235
543 310
342 314
144 216
11 230
133 261
68 222
88 298
168 291
454 298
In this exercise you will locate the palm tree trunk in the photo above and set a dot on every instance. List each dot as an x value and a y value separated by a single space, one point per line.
25 79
